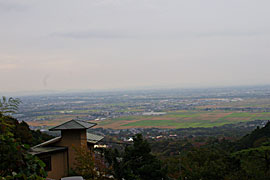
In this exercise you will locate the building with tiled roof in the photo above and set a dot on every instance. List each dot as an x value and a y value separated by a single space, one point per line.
59 153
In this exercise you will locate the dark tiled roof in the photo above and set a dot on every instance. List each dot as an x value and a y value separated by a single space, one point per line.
73 124
43 150
93 138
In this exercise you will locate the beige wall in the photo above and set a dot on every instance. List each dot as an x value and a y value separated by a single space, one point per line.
63 161
71 139
59 166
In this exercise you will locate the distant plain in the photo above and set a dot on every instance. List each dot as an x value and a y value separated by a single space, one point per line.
184 119
122 111
175 119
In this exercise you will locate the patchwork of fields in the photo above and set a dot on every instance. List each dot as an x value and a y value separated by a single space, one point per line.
139 109
183 119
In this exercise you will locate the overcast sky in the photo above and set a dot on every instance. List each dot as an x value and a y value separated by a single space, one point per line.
107 44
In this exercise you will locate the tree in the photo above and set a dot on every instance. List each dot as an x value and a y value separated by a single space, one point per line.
16 163
255 162
89 165
9 106
137 162
256 138
85 165
21 131
114 158
209 164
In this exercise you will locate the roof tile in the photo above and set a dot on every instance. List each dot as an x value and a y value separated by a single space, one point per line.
73 124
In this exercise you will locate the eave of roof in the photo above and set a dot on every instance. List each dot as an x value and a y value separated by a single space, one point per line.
44 150
93 138
73 124
51 141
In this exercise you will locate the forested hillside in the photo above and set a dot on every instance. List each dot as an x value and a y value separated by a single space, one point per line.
247 158
15 140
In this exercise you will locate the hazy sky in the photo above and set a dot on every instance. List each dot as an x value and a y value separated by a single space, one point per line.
105 44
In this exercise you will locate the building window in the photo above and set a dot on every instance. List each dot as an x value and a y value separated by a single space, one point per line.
47 161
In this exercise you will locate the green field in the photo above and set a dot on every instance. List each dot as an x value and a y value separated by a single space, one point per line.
184 119
152 123
174 119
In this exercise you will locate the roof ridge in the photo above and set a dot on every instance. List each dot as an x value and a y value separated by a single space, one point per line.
60 124
79 120
79 123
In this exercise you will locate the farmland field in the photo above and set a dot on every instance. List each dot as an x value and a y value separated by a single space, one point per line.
140 109
183 119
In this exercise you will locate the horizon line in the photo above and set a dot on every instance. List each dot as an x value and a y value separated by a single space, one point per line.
153 88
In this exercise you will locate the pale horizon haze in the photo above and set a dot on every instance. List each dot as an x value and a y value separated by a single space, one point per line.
114 44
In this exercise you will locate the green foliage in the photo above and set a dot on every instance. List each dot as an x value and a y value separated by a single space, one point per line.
113 157
248 158
136 162
39 137
22 133
174 166
89 165
208 164
9 106
16 163
255 162
85 163
256 138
